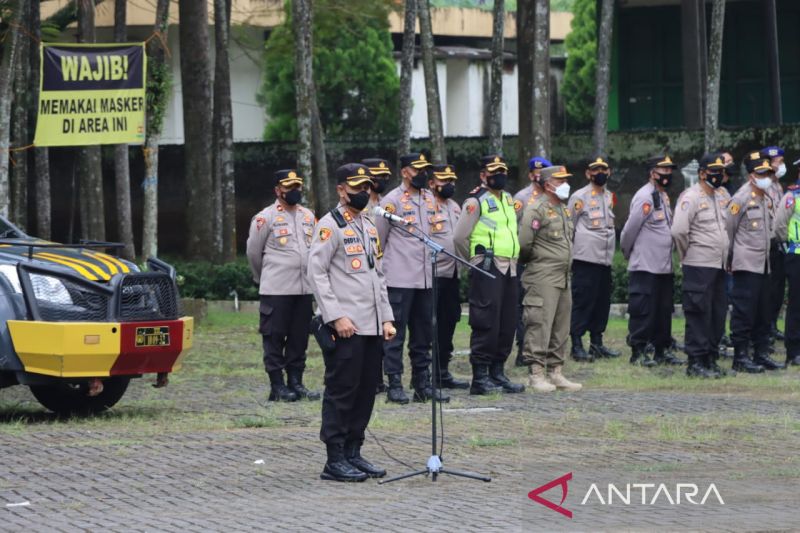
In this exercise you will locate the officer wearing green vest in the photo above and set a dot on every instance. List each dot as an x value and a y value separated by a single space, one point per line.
486 236
787 231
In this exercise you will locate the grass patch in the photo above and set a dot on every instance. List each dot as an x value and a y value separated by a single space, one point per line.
251 422
476 441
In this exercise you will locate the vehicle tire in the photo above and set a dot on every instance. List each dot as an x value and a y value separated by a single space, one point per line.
71 398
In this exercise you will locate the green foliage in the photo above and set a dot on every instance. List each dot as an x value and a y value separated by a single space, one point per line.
579 77
357 82
159 88
215 282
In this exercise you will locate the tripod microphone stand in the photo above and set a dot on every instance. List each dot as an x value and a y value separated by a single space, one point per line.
434 464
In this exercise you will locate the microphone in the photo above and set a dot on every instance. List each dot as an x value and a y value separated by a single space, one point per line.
378 211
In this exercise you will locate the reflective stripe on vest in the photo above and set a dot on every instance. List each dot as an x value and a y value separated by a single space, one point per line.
496 228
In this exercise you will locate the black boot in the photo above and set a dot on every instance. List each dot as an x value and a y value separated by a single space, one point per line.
742 362
696 369
295 378
666 357
716 369
396 394
639 357
352 452
338 468
578 353
446 380
792 358
761 357
598 350
498 377
423 391
279 392
481 384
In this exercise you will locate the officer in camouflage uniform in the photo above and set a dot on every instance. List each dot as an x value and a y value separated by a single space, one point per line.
787 230
344 270
277 250
546 248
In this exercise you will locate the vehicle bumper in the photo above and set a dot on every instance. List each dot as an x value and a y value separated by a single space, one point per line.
100 349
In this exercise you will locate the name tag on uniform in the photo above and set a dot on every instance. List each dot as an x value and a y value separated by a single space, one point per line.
492 205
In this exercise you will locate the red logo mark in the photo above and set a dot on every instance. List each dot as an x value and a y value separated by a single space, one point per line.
562 481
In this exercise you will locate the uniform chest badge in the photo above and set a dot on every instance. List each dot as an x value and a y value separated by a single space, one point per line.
704 206
593 203
595 223
349 232
356 263
307 219
408 207
439 226
279 219
283 240
372 231
324 234
347 216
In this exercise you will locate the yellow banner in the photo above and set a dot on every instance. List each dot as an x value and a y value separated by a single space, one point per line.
91 94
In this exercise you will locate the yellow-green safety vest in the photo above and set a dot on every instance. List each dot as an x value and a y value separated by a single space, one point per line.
793 235
497 226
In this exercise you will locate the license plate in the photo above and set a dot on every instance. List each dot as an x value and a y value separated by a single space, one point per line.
152 336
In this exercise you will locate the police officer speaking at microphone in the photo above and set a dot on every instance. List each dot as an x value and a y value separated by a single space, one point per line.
486 236
646 243
408 276
592 210
750 229
277 250
701 238
344 269
787 231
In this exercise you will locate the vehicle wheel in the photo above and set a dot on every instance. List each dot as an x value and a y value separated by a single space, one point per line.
71 398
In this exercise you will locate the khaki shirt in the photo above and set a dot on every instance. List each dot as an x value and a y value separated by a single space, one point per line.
523 198
750 223
784 213
699 228
775 193
593 219
406 259
342 280
470 214
646 240
277 249
443 225
545 243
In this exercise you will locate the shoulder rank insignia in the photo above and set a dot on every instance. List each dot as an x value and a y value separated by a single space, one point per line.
735 208
324 234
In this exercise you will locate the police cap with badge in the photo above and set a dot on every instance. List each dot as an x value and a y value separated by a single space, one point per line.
493 163
288 177
414 159
757 162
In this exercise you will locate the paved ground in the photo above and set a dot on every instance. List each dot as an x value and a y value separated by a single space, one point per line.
185 459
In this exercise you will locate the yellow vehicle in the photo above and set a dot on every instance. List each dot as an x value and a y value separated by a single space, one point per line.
76 324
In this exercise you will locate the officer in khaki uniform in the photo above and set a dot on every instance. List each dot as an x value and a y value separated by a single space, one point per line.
777 255
277 250
701 238
545 236
592 209
407 268
381 174
750 230
787 231
486 235
448 305
344 270
646 243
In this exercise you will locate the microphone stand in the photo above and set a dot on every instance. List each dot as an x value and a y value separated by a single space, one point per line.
434 464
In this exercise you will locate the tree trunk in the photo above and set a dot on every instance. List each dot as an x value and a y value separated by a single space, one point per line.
714 70
304 81
435 124
223 128
496 91
603 76
526 22
10 46
197 124
91 175
319 159
41 156
541 70
158 75
122 169
21 108
406 76
773 60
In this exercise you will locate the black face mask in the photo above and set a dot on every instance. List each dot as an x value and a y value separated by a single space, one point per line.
447 190
379 186
419 181
359 200
715 180
293 197
665 180
600 178
497 181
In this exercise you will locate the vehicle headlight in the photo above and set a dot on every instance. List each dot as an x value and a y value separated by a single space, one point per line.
9 272
50 289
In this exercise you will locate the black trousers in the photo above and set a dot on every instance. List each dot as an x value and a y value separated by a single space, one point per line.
792 327
351 377
493 314
591 299
520 333
750 300
777 281
705 305
650 309
448 313
284 326
412 309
